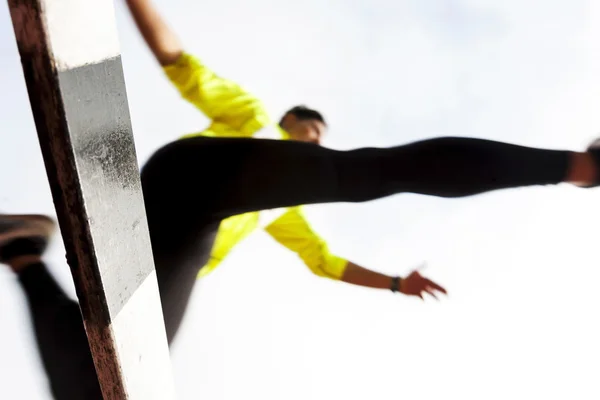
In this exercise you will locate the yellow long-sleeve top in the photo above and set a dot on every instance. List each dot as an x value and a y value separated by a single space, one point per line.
234 112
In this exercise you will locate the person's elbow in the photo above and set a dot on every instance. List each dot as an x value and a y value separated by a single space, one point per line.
168 55
323 271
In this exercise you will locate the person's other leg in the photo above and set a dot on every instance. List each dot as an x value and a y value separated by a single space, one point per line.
179 249
57 322
225 176
60 336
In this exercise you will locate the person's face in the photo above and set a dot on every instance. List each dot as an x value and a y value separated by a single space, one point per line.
310 131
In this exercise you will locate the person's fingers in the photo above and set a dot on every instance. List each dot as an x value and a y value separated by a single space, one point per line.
431 292
435 286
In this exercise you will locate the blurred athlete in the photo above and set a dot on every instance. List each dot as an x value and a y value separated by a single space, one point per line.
207 191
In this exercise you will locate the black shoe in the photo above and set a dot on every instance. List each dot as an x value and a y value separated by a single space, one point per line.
24 235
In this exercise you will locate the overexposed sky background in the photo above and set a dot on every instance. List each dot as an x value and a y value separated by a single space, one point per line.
521 265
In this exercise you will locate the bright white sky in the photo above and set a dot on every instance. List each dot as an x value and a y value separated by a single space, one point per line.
521 266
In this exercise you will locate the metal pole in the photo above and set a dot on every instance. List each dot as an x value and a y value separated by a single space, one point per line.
71 62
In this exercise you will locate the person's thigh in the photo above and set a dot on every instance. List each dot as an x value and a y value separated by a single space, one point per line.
215 178
182 238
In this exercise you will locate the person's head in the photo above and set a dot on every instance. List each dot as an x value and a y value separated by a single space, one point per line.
304 124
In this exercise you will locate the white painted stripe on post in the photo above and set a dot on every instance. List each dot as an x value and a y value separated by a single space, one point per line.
139 332
81 32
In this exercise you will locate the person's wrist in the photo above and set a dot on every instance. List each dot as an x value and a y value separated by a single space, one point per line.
395 284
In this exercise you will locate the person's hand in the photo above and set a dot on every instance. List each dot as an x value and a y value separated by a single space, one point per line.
415 284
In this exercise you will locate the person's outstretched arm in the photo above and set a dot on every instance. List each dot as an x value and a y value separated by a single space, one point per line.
161 39
232 109
293 231
412 285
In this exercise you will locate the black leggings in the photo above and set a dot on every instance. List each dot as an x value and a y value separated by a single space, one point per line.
191 185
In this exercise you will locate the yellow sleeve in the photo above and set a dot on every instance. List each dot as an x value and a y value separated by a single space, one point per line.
221 100
293 231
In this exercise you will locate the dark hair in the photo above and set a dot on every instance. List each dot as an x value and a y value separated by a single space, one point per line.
304 113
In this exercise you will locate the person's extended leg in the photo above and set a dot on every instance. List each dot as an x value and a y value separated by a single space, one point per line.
57 322
224 176
191 185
